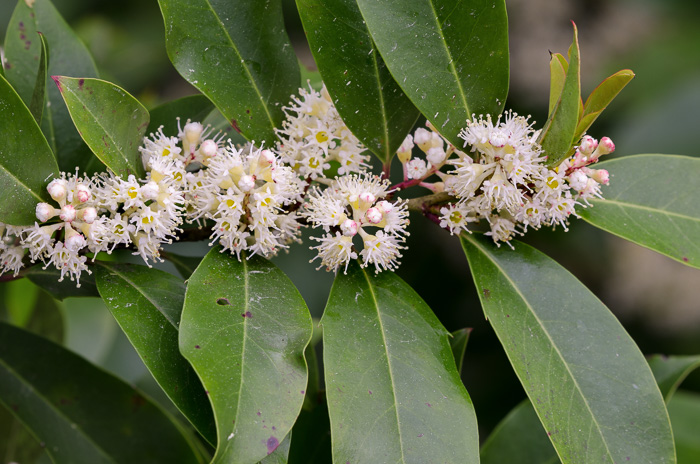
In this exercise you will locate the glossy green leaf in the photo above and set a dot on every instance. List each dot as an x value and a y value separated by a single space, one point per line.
281 453
47 279
26 162
458 343
369 100
147 304
684 410
558 132
244 329
111 121
68 56
81 413
311 443
194 107
248 71
585 376
394 393
520 438
450 58
557 75
36 104
313 386
652 200
670 371
600 98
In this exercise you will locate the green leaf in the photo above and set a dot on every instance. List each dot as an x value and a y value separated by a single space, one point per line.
47 279
313 386
394 393
237 54
81 413
194 107
450 58
458 343
600 98
312 437
520 438
652 200
281 454
147 304
36 105
684 410
68 56
590 385
20 298
111 121
670 371
26 162
244 328
557 72
369 100
558 132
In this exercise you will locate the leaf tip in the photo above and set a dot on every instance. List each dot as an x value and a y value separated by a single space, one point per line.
57 80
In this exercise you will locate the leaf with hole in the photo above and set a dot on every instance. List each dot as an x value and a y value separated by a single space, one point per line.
652 200
244 329
394 393
147 304
589 383
450 58
111 121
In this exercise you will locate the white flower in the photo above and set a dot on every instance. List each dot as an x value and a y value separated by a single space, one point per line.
416 168
455 218
356 205
69 262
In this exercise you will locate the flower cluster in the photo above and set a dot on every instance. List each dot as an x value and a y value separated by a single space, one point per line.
248 193
313 135
349 207
11 252
504 179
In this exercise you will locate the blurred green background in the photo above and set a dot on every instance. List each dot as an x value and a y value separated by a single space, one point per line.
657 299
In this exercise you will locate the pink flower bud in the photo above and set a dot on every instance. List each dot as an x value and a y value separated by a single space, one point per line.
588 145
436 155
44 212
374 216
57 189
367 198
604 147
208 149
67 213
75 242
498 139
406 145
384 206
349 228
88 215
82 192
266 157
601 176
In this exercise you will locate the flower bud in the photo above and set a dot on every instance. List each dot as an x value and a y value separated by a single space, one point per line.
404 151
604 147
588 145
246 183
349 228
374 216
436 155
75 242
82 192
67 213
57 189
208 149
150 190
578 180
44 212
368 198
498 139
601 176
266 157
88 215
384 206
193 130
423 139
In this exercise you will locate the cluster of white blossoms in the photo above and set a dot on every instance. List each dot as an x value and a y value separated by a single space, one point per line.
313 135
352 206
504 178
